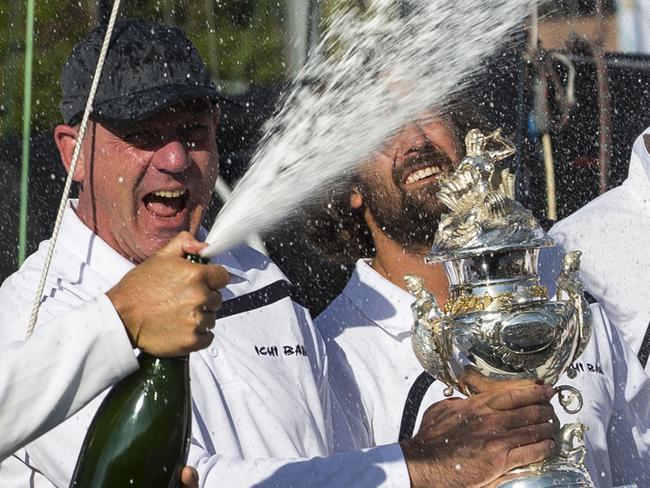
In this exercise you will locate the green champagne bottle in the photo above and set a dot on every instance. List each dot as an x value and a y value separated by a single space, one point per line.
140 435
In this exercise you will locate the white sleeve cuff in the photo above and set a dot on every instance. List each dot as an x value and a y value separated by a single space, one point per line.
391 460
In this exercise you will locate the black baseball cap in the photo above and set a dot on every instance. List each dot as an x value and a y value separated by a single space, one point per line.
149 67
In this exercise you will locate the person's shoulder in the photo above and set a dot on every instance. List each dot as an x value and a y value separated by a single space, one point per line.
26 277
250 258
596 216
245 263
17 294
339 315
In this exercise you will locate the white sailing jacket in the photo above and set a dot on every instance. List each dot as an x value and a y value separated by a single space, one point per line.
261 406
79 354
367 333
613 233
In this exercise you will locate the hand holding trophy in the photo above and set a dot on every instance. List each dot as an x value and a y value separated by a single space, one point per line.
499 320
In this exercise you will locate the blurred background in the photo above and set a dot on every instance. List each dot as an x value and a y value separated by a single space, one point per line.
571 89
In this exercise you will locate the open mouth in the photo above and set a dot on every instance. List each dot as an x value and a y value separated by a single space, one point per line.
166 203
423 166
420 174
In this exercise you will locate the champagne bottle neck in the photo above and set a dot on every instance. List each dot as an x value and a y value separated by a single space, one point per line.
154 365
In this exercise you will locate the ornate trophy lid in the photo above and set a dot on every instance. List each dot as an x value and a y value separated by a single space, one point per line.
484 217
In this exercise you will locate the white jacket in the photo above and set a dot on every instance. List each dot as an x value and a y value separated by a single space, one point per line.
60 369
613 233
372 366
261 406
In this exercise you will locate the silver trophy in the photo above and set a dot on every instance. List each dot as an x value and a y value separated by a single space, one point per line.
499 319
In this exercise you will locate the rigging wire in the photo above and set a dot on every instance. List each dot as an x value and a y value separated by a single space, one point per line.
73 164
604 101
27 117
540 114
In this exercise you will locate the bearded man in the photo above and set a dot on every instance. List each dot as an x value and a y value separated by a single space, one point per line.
386 222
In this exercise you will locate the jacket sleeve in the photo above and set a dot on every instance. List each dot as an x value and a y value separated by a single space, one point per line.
628 435
66 362
378 467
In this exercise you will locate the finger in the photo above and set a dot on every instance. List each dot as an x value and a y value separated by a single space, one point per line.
204 339
477 382
206 322
530 415
517 397
193 247
216 277
200 339
177 246
212 302
532 453
555 422
189 478
521 417
530 434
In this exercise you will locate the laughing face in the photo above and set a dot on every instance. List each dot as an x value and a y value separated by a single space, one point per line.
143 183
399 185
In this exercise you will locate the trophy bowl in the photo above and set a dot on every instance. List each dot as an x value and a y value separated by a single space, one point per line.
499 319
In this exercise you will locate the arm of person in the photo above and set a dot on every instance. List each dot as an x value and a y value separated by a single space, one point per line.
379 467
461 443
73 357
628 435
64 365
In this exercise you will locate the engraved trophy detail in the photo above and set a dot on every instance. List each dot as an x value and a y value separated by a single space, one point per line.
499 318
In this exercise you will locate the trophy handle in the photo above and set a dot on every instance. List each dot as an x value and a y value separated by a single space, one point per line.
566 396
572 443
425 306
570 288
431 342
507 148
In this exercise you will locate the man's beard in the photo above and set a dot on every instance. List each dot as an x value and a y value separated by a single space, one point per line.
410 218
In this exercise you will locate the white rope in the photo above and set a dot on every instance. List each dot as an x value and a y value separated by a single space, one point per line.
73 165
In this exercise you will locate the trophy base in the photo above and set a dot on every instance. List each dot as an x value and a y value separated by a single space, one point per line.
552 473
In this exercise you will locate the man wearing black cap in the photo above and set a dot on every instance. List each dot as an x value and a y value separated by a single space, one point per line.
136 200
75 294
261 400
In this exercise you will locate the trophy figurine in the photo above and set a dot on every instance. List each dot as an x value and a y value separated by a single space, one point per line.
499 319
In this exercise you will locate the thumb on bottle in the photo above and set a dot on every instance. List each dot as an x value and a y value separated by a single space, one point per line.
182 244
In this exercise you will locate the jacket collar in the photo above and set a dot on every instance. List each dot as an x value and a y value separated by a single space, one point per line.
225 259
381 301
82 242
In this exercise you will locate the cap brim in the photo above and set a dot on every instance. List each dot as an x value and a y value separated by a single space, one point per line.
142 105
